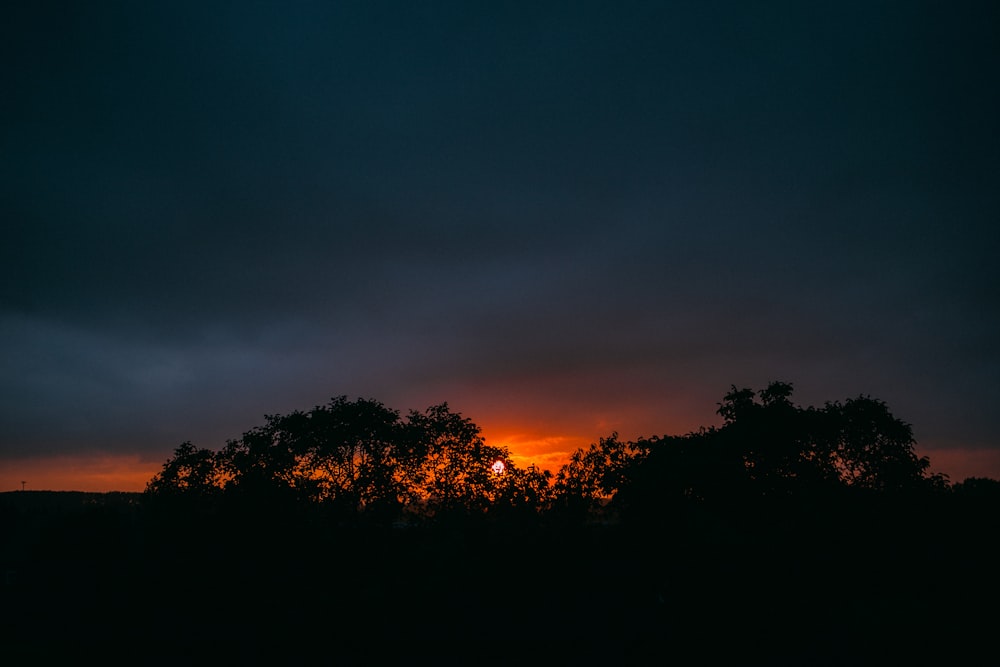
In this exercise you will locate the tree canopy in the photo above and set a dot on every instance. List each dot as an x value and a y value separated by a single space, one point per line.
767 450
362 459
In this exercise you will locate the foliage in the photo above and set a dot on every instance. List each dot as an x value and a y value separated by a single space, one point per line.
343 454
190 471
452 465
768 449
359 459
593 476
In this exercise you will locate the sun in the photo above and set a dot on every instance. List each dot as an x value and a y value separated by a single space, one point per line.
498 467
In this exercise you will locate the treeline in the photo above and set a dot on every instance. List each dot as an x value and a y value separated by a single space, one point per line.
362 461
354 534
356 461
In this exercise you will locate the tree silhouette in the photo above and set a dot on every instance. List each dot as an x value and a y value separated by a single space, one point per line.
359 459
799 535
191 471
522 494
261 466
872 449
345 454
788 448
450 469
768 450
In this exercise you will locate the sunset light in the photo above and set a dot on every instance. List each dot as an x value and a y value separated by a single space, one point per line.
584 333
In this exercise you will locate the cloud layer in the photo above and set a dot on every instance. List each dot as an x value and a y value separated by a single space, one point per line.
561 220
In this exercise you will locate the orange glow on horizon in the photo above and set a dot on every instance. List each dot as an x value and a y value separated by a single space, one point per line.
548 439
546 452
104 473
99 474
961 463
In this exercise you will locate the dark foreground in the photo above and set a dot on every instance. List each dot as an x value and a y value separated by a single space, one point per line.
99 579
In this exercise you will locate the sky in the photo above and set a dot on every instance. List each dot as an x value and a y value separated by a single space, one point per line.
563 219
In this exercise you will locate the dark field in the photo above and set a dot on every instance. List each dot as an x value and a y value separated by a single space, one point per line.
99 577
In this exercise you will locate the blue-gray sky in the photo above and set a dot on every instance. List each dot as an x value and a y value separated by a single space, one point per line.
561 218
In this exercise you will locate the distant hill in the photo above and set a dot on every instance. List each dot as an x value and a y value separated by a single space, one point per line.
64 501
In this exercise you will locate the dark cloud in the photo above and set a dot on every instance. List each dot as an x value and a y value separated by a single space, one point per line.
600 211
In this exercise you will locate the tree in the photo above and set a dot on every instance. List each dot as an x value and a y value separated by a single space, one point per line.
359 458
788 448
594 475
522 494
347 454
262 465
781 445
678 472
184 495
449 465
191 471
872 449
767 449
